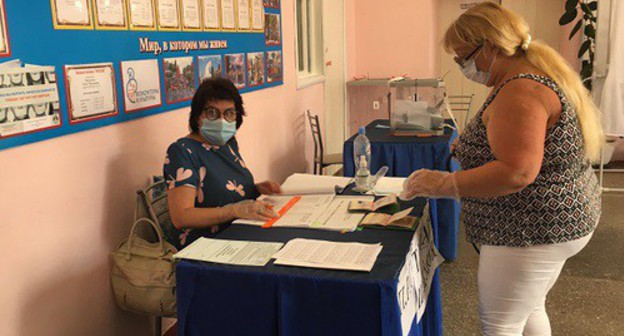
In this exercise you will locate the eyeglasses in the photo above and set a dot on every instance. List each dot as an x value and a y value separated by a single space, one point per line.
212 113
462 61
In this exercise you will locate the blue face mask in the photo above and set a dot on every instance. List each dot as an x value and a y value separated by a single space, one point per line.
217 132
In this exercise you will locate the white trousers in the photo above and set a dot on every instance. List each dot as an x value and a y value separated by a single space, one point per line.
513 283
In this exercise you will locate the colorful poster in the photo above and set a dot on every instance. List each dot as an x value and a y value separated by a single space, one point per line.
91 91
272 32
211 14
274 66
243 19
141 85
255 68
168 15
209 67
110 14
228 15
71 14
272 3
191 15
235 69
257 15
142 14
179 79
29 100
5 50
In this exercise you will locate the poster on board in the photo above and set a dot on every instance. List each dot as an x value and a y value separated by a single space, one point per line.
191 15
110 14
243 19
235 69
255 69
272 32
5 49
274 66
257 15
71 14
228 15
29 100
91 92
141 85
209 67
272 3
168 15
179 79
142 14
210 13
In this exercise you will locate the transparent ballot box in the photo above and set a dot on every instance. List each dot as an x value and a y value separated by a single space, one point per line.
417 106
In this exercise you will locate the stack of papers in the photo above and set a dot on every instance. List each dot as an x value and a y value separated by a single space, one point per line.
233 252
328 255
303 184
388 185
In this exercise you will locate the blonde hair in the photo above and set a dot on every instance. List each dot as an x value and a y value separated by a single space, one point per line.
507 31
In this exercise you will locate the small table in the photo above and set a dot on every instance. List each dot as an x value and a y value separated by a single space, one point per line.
216 299
405 154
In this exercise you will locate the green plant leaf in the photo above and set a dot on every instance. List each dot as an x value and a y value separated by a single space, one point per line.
584 47
590 31
570 4
593 5
576 28
586 9
567 17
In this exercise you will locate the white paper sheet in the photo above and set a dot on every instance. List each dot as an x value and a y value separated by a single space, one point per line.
227 14
232 252
168 14
110 13
302 184
91 90
191 14
211 14
72 12
329 255
302 214
337 217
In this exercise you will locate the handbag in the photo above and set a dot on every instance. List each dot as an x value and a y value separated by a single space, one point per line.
143 275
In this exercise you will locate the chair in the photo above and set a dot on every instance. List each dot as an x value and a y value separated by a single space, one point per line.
321 160
461 103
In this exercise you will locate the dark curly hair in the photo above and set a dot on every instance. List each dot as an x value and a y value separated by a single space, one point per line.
215 89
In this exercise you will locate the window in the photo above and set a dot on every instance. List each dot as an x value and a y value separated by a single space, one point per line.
309 42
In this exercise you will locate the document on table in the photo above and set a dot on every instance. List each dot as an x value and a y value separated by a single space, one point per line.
329 255
233 252
336 215
324 212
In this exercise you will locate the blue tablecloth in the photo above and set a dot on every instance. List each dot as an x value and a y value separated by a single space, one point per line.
403 155
272 300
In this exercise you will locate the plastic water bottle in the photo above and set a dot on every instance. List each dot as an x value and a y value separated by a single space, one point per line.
362 176
361 146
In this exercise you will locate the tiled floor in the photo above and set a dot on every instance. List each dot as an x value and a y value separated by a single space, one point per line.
588 298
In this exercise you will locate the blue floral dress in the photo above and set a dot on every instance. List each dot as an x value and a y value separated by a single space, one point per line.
218 174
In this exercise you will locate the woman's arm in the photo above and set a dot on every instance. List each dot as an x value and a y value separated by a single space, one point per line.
185 215
516 130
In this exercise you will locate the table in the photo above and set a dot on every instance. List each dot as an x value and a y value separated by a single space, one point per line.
220 300
403 155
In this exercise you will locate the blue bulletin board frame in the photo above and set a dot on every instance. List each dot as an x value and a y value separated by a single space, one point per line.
35 41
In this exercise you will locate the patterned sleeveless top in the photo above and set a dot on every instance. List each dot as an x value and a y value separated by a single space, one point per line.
563 203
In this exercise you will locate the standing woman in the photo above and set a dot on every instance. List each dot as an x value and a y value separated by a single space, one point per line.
530 197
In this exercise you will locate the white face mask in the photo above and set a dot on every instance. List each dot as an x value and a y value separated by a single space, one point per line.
469 69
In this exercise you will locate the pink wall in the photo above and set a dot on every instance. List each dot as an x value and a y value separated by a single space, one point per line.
66 203
396 38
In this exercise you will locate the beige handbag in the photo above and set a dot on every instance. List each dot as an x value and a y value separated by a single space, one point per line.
143 275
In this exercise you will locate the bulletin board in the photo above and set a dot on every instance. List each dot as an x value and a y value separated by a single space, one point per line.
107 70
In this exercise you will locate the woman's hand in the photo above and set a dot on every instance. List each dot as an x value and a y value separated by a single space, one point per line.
268 188
250 209
430 183
454 144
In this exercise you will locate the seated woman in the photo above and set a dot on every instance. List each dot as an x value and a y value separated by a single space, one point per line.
209 184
